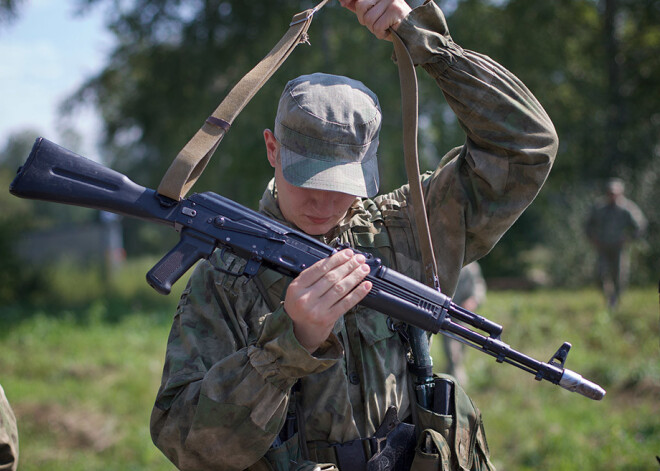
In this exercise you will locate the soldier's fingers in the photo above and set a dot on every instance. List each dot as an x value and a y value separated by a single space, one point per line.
350 300
341 278
361 9
381 15
303 296
313 274
344 286
381 27
350 4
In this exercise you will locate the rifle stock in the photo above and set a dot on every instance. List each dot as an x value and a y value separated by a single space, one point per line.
208 221
53 173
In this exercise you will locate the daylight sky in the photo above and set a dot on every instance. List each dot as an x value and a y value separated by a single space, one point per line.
44 56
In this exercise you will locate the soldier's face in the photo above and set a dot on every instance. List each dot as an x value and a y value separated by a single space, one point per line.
613 197
315 212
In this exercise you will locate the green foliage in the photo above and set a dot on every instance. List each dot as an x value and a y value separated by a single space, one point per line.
603 104
9 10
594 69
82 387
70 285
81 363
16 280
559 50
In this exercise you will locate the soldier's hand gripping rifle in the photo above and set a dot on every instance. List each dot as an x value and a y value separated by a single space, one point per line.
208 221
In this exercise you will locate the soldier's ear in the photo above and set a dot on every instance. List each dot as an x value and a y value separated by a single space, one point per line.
272 148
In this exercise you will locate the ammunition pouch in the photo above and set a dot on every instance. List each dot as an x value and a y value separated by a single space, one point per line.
454 441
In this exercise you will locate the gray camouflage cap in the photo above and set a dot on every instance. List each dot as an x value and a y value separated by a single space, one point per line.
327 127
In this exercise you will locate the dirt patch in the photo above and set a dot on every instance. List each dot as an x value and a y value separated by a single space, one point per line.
71 428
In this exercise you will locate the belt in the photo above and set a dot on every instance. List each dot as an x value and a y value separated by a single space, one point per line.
392 448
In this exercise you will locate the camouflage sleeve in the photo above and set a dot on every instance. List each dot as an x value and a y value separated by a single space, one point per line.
638 221
509 149
8 435
229 368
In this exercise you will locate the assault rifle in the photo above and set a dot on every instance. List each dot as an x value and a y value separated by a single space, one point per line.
208 221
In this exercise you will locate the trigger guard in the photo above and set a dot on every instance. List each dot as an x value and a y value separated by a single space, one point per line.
250 269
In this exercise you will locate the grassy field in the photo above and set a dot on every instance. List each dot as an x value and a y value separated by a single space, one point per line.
539 426
82 377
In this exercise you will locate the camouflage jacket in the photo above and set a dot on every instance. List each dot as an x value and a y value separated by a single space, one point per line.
8 435
231 360
610 225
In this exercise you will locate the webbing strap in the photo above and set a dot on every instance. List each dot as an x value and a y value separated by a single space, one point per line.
419 342
191 161
409 110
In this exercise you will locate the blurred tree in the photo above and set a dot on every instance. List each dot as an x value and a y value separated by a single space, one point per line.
593 64
175 62
16 149
16 217
9 10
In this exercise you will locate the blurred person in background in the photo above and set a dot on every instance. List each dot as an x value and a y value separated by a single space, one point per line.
470 293
612 223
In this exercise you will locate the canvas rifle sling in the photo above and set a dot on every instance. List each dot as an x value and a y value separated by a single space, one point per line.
191 161
409 110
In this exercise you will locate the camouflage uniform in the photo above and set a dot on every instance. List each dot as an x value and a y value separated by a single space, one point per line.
471 284
232 360
609 226
8 435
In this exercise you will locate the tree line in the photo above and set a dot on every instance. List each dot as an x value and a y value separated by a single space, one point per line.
594 65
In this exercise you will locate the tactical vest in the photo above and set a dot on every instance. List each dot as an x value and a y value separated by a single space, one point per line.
454 440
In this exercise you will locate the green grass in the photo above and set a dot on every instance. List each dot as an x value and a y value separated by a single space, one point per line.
81 368
539 426
82 391
82 380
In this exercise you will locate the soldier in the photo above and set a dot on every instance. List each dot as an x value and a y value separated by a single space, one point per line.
470 293
611 224
8 435
280 373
